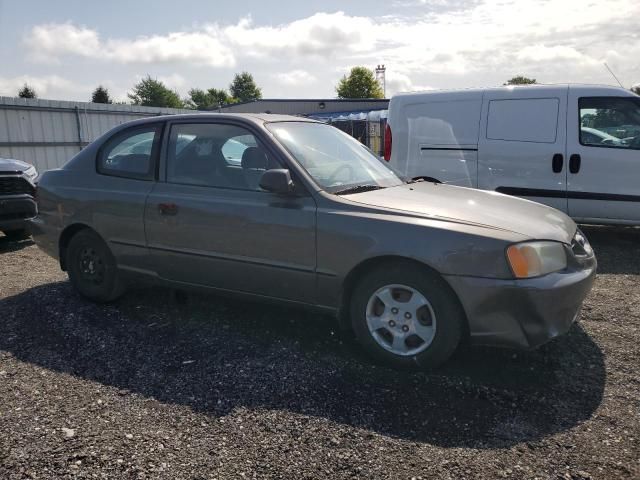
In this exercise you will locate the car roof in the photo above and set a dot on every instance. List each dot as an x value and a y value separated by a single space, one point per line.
257 118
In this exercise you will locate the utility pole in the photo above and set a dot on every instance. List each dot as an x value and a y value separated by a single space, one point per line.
380 78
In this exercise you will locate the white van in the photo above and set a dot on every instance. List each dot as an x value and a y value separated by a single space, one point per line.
573 147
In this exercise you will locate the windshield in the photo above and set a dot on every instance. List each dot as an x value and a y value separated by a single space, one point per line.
336 161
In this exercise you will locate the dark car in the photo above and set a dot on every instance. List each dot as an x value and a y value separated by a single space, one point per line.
17 203
311 217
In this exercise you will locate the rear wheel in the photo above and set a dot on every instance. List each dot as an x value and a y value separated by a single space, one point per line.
20 234
406 316
92 268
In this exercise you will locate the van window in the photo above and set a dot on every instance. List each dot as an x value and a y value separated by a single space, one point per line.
523 120
610 122
451 123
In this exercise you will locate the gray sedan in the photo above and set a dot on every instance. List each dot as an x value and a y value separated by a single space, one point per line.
288 209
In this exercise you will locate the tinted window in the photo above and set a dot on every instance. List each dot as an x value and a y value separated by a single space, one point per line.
216 155
235 147
524 120
130 153
610 122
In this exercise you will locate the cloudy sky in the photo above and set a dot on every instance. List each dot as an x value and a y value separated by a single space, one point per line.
300 48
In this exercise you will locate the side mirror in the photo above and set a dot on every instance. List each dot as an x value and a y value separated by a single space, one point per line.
277 180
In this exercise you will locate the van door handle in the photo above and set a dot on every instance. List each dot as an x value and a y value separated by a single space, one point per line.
557 163
574 163
168 208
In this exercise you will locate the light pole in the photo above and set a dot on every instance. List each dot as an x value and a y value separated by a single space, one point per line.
380 78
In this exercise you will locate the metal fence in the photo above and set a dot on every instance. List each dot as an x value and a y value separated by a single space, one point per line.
47 133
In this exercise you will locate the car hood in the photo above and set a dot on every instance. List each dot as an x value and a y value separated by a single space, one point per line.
475 207
13 166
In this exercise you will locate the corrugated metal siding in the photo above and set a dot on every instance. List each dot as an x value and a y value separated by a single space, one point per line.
47 133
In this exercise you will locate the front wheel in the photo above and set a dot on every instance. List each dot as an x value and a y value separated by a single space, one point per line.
92 269
406 316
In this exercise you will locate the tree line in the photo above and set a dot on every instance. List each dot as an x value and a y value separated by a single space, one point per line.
151 92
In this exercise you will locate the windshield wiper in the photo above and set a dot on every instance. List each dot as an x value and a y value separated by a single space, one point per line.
358 189
423 179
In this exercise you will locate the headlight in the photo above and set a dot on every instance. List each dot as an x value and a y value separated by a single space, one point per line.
31 173
534 259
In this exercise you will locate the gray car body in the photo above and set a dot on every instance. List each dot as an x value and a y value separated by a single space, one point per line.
311 247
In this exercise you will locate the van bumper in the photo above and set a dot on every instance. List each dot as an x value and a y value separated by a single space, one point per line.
524 313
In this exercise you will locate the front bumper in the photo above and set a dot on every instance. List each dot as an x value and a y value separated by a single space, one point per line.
15 211
524 313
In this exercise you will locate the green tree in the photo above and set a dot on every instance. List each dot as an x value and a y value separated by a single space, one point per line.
243 88
360 83
221 97
150 92
636 89
209 100
101 95
27 92
520 80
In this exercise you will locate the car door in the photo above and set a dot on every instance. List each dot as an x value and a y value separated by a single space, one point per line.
113 201
604 156
522 144
209 223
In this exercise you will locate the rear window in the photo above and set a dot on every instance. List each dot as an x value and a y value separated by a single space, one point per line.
131 153
523 120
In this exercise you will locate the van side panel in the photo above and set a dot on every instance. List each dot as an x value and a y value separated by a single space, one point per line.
436 135
522 145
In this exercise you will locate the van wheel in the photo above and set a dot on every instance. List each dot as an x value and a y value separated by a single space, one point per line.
406 316
92 268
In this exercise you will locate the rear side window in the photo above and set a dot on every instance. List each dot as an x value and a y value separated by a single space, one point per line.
131 153
610 122
523 120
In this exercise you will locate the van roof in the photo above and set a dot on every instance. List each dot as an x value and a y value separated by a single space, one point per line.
473 92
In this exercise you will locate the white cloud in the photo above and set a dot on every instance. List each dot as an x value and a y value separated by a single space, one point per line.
197 48
174 81
46 41
399 82
50 41
294 78
542 53
44 85
435 43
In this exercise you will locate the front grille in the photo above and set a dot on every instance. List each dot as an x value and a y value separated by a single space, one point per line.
15 186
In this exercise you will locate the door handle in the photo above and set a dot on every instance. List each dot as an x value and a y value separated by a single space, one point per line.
168 208
557 163
574 163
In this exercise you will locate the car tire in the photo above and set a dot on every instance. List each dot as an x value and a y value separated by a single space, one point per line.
15 235
92 268
421 324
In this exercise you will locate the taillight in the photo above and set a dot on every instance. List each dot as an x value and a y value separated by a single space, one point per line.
387 143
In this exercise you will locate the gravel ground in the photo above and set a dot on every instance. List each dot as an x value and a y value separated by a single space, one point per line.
159 386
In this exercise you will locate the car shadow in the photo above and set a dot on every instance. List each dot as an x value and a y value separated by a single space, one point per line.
615 248
215 355
7 245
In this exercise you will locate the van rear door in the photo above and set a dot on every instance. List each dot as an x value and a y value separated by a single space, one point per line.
522 146
604 155
435 135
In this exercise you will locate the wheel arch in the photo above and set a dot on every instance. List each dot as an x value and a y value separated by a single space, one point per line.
370 264
65 237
